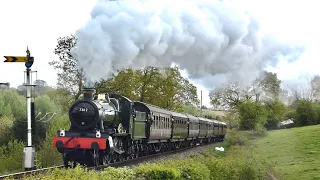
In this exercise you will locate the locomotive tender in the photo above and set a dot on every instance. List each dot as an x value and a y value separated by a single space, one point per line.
109 128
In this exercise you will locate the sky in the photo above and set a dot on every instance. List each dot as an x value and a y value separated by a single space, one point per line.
38 24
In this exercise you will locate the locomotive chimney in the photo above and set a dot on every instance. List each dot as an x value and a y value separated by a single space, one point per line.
88 93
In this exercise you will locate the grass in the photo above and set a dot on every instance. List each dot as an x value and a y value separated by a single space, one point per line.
294 153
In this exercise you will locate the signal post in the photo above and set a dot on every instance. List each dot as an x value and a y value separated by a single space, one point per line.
29 150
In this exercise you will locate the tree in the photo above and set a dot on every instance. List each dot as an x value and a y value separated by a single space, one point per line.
276 112
61 98
41 83
165 88
315 87
231 95
270 85
70 76
173 90
228 96
124 83
305 114
252 115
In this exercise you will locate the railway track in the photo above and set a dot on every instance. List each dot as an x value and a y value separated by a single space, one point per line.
129 162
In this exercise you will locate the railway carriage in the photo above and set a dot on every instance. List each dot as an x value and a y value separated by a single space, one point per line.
193 130
108 128
180 126
203 125
157 122
215 128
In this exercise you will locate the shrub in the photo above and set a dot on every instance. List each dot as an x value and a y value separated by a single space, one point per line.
305 114
238 138
118 173
190 168
157 171
11 157
238 163
251 115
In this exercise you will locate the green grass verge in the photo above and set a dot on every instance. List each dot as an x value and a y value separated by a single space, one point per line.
294 153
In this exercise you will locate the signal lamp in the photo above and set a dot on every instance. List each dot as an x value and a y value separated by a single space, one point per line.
29 63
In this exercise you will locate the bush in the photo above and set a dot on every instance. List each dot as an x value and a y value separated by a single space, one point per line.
238 138
189 168
251 114
11 157
5 129
157 171
117 173
238 163
305 114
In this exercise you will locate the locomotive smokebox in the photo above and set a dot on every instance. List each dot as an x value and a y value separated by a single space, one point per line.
88 93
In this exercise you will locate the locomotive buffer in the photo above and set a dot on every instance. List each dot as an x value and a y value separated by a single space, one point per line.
29 150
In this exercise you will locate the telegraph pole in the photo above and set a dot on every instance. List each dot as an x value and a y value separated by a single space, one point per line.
201 104
29 150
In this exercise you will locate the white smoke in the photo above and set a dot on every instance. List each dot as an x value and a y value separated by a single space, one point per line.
205 38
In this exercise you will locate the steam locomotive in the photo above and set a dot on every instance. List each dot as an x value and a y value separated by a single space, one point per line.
109 128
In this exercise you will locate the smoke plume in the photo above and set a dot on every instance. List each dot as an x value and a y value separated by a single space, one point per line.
205 38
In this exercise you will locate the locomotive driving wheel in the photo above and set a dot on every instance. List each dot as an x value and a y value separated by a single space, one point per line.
106 159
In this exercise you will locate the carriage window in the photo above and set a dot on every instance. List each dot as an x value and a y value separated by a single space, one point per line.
165 123
162 122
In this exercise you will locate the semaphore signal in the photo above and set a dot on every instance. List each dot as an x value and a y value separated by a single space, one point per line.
29 150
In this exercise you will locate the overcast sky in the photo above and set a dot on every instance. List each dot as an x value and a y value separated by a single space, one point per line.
38 24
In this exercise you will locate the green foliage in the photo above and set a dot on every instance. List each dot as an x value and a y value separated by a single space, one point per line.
44 105
271 84
193 110
237 138
11 157
47 155
276 111
118 173
238 163
82 173
231 95
172 90
5 129
11 103
157 172
232 119
61 98
316 109
251 114
305 114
